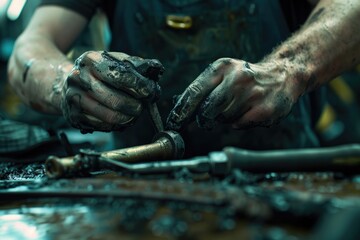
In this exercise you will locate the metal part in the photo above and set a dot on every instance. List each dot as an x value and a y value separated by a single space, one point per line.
80 164
65 142
216 164
198 165
179 21
167 145
155 116
344 158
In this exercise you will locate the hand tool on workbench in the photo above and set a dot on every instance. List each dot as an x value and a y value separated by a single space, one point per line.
345 158
167 145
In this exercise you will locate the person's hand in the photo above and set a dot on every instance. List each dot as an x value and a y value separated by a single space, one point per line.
238 93
105 91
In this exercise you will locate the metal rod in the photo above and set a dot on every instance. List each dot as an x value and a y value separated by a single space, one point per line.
168 145
155 116
345 158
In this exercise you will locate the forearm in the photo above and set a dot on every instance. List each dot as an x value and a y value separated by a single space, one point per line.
36 71
326 45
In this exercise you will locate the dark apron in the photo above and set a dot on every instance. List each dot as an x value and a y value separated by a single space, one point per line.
243 29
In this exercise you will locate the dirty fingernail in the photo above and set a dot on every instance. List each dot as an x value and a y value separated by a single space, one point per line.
171 123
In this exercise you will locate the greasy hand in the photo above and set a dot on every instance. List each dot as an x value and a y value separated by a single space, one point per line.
105 91
236 92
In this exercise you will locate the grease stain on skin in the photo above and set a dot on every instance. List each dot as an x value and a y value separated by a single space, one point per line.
132 81
290 54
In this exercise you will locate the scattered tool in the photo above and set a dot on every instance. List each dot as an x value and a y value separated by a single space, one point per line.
167 145
344 158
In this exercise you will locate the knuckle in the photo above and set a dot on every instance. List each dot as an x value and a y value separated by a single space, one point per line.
210 70
73 75
223 66
89 54
258 93
195 88
225 61
120 56
87 58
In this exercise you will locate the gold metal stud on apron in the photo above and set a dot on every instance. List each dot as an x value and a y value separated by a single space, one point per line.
179 21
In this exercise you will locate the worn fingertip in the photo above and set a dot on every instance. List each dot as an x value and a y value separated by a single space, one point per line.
171 124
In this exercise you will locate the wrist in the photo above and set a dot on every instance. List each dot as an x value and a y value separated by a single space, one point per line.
294 73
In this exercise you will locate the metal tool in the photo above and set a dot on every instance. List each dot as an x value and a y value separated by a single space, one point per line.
167 145
155 116
344 158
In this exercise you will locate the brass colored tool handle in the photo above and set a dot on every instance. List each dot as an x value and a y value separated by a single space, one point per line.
167 145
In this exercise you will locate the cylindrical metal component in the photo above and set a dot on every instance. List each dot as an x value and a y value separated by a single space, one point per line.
80 164
56 167
344 158
167 145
